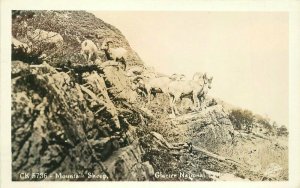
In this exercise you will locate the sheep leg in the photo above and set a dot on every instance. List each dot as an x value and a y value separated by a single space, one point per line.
200 102
196 100
82 53
174 104
171 105
123 63
89 57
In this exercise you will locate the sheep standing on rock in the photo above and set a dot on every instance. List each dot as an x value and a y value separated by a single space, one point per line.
138 85
116 54
88 49
154 85
188 88
157 85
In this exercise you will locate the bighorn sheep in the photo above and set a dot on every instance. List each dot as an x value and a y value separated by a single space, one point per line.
139 86
155 85
47 37
116 54
202 94
179 89
138 75
88 48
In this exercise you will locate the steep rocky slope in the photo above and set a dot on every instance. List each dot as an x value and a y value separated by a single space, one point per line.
79 120
60 126
71 25
69 119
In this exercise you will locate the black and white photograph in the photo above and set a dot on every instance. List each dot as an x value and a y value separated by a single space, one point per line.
149 96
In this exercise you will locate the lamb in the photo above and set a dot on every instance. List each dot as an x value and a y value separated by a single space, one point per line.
47 37
88 49
179 89
116 54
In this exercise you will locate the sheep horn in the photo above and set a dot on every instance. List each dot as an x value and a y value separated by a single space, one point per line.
138 78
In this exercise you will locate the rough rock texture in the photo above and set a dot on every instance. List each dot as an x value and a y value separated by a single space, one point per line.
68 115
126 164
57 122
120 84
79 120
71 25
211 128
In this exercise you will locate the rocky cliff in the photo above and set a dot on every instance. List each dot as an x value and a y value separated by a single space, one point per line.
79 120
72 119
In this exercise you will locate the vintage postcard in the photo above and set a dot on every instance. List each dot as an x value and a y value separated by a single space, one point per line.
159 95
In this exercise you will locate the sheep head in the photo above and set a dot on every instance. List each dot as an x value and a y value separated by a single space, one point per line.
209 81
106 44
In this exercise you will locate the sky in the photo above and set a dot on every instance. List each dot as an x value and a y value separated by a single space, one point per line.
245 52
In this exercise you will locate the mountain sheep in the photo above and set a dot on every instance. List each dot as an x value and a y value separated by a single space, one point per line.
116 54
88 48
179 89
157 85
46 37
138 85
154 85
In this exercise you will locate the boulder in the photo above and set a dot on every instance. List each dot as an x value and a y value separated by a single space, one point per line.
126 164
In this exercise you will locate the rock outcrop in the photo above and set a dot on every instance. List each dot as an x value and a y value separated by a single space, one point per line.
213 129
67 114
57 121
